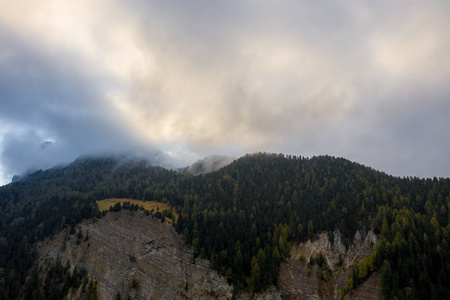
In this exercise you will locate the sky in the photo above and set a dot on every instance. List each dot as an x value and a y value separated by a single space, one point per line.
364 80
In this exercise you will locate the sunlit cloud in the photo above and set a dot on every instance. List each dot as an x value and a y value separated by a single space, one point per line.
345 78
414 49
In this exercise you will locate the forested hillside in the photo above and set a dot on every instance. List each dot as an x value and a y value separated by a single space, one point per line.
244 217
45 202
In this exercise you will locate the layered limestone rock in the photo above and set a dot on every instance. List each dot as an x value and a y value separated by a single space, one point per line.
300 280
370 290
139 257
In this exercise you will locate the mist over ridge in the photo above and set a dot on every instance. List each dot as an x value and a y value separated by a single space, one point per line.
366 81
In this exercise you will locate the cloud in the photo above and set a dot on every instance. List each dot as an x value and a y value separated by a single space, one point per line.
363 80
47 97
245 89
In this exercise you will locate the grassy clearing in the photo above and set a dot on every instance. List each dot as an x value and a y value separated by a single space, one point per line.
106 203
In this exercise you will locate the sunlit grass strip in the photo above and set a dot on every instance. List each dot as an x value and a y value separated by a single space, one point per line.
149 205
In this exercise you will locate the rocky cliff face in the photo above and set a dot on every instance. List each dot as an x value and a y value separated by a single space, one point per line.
142 258
301 280
139 257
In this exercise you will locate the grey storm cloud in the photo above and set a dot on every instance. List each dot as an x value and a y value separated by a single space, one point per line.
46 97
360 79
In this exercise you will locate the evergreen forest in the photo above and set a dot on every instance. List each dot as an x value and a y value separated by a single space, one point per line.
243 218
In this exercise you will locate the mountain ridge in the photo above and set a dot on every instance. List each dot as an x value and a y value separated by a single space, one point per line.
245 217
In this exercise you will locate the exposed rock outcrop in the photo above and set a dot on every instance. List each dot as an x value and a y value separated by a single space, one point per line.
142 258
300 280
139 257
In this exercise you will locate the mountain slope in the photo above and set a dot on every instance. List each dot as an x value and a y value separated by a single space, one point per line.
246 217
248 212
129 247
137 256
